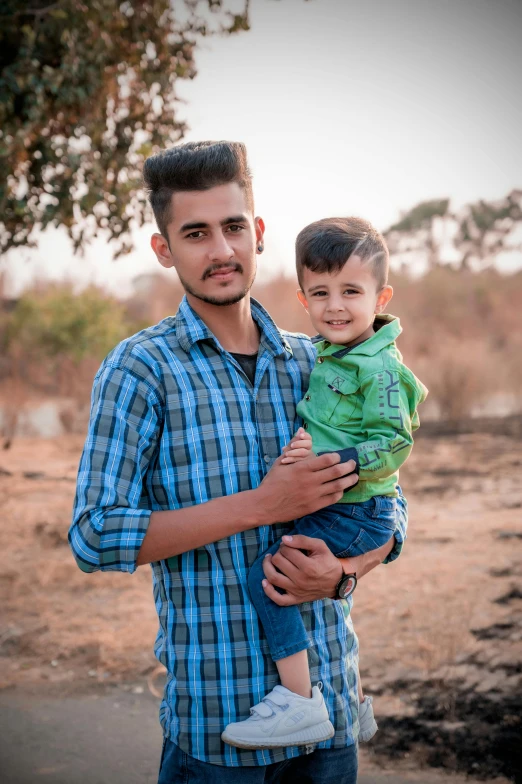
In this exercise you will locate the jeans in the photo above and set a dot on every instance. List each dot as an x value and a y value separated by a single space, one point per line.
322 766
348 530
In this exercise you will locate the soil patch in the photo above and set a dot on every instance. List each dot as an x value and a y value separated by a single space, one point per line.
440 629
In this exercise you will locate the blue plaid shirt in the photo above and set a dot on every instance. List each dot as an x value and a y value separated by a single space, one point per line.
175 422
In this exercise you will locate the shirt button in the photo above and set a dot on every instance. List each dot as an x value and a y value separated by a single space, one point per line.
267 459
320 360
307 397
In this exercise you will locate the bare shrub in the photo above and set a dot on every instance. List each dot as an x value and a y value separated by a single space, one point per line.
14 394
459 377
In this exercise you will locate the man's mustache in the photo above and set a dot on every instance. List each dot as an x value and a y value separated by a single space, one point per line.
221 267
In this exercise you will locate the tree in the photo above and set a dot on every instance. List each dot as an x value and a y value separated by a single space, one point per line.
473 237
87 92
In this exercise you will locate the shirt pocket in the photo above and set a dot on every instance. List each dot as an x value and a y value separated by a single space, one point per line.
337 398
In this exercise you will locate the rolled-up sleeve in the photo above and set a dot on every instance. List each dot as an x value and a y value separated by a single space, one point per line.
108 525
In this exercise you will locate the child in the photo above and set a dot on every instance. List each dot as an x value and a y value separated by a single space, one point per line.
362 402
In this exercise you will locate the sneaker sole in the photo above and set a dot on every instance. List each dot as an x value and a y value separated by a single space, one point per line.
368 734
315 734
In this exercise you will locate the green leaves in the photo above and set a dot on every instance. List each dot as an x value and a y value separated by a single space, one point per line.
104 71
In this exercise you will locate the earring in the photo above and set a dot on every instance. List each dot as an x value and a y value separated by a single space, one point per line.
260 249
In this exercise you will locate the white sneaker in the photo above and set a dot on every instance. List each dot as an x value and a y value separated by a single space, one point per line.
367 724
281 719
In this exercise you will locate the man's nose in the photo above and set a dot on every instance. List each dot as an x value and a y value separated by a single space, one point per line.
221 249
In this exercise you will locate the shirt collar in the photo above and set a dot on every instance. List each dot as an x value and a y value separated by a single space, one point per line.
388 328
191 329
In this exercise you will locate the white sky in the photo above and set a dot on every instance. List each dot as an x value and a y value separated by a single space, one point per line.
346 107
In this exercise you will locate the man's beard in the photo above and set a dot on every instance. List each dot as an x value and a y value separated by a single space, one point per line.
230 300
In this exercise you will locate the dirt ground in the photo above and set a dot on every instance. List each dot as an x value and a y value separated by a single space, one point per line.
440 630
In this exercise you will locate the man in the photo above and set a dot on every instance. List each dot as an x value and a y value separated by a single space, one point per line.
181 469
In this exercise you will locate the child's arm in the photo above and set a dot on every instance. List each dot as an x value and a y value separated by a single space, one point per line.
299 448
389 417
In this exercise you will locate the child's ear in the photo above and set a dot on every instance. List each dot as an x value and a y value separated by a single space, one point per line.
384 296
302 299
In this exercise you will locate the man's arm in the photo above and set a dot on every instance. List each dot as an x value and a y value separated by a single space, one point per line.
110 531
311 576
285 492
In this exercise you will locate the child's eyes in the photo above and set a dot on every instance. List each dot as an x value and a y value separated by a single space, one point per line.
325 293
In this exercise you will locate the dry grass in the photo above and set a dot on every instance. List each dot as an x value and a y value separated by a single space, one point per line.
413 616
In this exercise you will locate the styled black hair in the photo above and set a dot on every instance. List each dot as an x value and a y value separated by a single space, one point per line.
326 246
194 166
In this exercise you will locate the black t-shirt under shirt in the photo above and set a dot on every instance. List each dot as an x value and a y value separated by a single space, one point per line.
248 364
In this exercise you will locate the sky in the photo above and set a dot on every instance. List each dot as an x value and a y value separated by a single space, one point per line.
346 108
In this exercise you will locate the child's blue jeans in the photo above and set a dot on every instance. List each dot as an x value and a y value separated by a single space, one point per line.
348 530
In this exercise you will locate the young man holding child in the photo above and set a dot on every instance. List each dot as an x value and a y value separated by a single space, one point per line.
182 469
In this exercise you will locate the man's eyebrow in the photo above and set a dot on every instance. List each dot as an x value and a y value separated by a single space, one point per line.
234 219
192 226
202 225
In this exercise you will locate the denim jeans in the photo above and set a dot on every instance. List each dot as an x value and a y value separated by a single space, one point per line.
322 766
348 530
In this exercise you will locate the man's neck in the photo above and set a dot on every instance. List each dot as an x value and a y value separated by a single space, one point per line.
232 325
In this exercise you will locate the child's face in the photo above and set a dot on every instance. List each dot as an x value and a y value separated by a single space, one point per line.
342 306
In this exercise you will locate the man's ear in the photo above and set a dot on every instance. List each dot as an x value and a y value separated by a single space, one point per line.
302 299
260 230
384 296
160 246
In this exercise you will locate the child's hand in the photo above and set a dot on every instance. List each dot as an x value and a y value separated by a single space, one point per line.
299 448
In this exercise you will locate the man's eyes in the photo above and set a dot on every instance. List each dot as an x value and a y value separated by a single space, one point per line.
234 228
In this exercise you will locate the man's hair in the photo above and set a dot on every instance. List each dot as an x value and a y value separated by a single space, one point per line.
326 246
194 166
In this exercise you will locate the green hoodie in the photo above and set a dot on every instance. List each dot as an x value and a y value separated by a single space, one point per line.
363 400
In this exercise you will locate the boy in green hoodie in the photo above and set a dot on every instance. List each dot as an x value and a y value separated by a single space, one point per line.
362 402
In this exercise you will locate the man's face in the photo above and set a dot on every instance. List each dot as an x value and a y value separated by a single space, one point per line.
213 238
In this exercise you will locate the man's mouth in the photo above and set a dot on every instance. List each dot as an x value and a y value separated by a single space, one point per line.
223 273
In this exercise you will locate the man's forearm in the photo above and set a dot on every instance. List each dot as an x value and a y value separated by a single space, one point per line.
287 492
176 531
362 564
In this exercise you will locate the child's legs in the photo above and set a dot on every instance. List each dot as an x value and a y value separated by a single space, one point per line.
283 626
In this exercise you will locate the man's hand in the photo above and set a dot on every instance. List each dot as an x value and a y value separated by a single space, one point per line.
299 448
306 577
291 491
311 576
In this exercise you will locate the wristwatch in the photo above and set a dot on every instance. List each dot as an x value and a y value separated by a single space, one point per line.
346 586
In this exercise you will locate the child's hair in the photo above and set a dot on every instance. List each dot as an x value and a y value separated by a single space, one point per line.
194 166
326 246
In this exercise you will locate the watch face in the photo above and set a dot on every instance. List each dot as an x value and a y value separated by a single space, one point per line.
347 586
